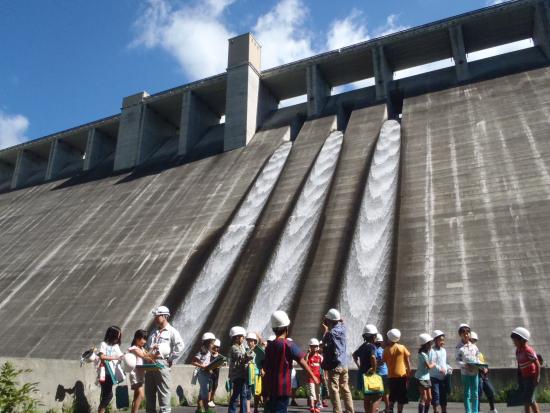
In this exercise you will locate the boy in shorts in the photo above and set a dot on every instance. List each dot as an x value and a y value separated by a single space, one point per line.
397 358
529 367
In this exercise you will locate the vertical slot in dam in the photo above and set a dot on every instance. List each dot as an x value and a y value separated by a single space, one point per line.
286 264
192 314
365 288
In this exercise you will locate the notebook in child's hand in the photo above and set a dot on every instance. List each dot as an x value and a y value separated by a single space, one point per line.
216 362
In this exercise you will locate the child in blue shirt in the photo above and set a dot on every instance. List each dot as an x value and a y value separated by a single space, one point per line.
423 372
382 369
438 373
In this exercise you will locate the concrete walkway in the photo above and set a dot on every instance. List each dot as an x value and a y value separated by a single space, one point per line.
410 408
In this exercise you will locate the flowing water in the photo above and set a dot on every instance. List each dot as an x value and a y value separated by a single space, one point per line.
278 286
207 287
367 276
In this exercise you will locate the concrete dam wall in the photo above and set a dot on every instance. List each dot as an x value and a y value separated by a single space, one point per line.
417 203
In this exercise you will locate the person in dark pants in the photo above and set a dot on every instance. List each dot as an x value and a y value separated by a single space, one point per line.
109 353
238 370
438 374
279 355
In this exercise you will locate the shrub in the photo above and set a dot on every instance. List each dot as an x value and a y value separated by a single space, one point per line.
16 398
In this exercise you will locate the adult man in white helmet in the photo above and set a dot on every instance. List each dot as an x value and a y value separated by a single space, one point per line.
166 342
279 356
335 360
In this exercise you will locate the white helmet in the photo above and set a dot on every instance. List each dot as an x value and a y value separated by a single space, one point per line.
522 332
279 319
217 343
129 362
370 329
394 335
252 336
333 314
424 338
464 325
379 338
272 337
313 342
162 310
473 336
237 331
164 349
437 333
208 336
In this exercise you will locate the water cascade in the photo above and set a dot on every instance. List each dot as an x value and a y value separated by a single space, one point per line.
276 290
367 275
207 287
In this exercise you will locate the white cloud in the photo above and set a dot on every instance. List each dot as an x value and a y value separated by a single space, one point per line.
391 26
12 129
347 31
282 35
194 35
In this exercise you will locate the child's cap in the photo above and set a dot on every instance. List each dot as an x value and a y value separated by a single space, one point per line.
473 336
379 338
394 335
208 336
522 332
313 342
252 336
424 338
217 343
463 326
237 331
437 333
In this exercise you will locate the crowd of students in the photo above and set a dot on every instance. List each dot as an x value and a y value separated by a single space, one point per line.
263 370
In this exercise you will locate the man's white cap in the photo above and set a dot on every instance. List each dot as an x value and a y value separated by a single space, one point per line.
279 319
217 343
437 333
313 342
252 336
208 336
333 314
473 336
162 310
237 331
394 335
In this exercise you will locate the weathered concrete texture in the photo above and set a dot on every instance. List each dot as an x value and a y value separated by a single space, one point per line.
383 73
155 131
233 306
318 90
98 148
29 169
474 224
75 259
64 160
320 288
66 380
126 154
196 118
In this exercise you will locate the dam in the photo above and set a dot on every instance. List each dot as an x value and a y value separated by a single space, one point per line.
418 202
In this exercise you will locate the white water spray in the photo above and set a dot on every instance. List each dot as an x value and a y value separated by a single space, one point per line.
277 288
368 270
207 287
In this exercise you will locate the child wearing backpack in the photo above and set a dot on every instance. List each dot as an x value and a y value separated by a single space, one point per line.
314 360
238 370
215 376
109 353
365 359
382 370
201 361
255 345
529 368
438 373
467 353
423 372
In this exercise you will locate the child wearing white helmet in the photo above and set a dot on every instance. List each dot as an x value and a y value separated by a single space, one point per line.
467 354
397 357
279 356
438 373
382 369
215 375
256 345
238 370
314 360
485 385
529 368
201 360
365 359
423 372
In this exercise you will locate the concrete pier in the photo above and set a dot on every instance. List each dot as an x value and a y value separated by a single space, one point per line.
99 147
383 73
6 175
459 53
64 160
30 168
318 90
196 119
541 31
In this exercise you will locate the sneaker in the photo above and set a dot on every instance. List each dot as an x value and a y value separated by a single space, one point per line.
318 405
211 403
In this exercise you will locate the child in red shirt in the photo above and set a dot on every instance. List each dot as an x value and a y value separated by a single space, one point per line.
314 360
529 368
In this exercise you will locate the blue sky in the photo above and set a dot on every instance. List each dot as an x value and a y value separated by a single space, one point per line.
69 62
